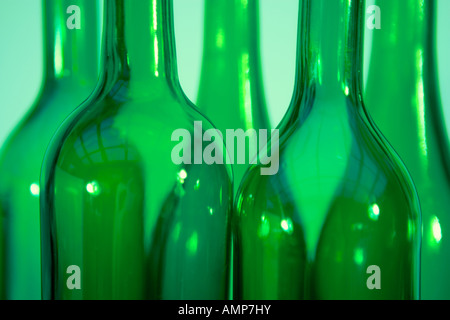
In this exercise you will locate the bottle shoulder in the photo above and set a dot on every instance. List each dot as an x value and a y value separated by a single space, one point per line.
332 158
337 187
120 148
121 129
27 143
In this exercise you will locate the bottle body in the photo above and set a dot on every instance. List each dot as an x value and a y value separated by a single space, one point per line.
66 85
410 96
341 219
120 218
337 209
137 225
20 189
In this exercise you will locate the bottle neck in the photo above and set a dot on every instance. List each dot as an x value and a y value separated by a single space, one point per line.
408 35
231 65
71 41
139 42
412 46
330 48
231 31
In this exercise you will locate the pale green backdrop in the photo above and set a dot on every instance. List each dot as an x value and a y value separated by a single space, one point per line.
21 56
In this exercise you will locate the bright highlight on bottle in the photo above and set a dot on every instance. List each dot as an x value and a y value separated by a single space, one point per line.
182 175
287 226
58 54
93 188
374 212
35 190
347 91
436 228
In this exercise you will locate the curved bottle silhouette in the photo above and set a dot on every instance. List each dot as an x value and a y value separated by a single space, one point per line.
134 224
231 90
70 75
342 214
402 95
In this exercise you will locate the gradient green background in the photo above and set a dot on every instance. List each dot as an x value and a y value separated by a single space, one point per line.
21 54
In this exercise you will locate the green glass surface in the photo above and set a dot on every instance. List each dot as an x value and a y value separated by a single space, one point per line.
231 92
2 252
342 200
402 94
70 75
137 225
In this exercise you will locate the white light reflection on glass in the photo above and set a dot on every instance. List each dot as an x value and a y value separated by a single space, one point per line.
35 190
374 212
421 105
436 229
93 188
182 175
287 226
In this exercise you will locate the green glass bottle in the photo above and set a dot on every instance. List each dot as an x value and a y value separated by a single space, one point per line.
70 75
231 90
402 94
120 219
2 252
340 219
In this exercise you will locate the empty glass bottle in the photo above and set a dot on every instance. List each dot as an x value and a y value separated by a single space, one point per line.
402 94
120 219
70 75
340 220
231 90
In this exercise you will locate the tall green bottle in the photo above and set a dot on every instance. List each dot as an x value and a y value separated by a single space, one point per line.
402 94
121 218
231 90
340 219
70 75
